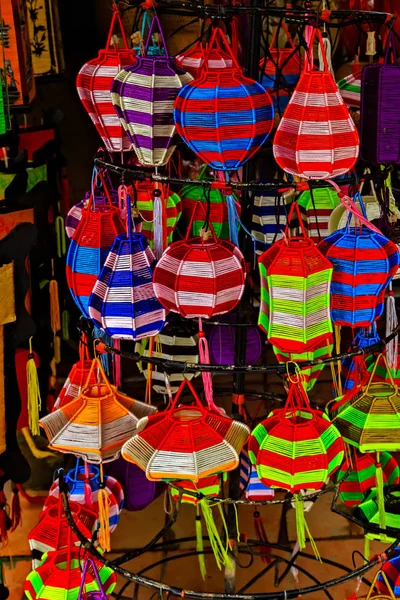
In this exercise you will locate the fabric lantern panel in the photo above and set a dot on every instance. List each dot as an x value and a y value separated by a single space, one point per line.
280 69
94 82
295 286
170 345
364 262
172 210
97 423
143 96
269 219
380 109
186 442
200 278
316 138
223 116
296 448
123 302
317 205
89 248
369 417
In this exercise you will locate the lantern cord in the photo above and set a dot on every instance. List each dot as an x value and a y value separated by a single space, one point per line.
281 368
180 592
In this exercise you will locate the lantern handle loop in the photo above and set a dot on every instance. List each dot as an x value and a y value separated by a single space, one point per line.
194 394
295 207
90 561
156 21
289 37
373 584
390 46
116 17
309 58
383 357
218 41
128 215
101 376
297 399
199 205
352 207
83 348
356 198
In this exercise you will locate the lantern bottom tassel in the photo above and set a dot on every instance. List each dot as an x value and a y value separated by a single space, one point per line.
380 498
302 528
104 530
34 399
199 544
219 549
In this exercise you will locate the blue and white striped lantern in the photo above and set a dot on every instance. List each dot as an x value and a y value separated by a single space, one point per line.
123 302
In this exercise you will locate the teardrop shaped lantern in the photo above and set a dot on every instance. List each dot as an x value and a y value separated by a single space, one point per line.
295 285
364 263
94 82
186 442
199 278
89 248
296 447
123 302
143 96
223 116
316 138
97 423
192 60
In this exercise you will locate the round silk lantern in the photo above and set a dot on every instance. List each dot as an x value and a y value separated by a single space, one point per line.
295 285
123 302
97 423
186 442
364 263
199 278
192 60
89 248
143 96
316 138
93 84
223 116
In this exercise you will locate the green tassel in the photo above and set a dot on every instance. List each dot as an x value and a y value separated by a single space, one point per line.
200 545
366 549
380 498
220 551
300 521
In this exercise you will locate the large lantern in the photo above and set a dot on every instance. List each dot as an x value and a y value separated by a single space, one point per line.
295 284
316 138
364 262
223 116
186 442
89 248
143 96
94 82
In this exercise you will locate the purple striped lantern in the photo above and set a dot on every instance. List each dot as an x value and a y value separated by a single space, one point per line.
221 343
143 95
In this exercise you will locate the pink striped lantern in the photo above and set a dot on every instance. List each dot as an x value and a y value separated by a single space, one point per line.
316 138
93 84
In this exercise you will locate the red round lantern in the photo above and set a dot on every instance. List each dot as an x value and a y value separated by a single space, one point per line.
192 60
94 82
200 278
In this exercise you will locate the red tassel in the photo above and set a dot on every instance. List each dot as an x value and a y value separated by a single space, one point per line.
16 512
262 537
3 519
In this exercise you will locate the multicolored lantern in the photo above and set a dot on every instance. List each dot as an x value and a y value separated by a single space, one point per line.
353 371
369 417
93 84
186 442
317 205
143 96
223 116
89 248
316 138
171 211
364 262
350 88
269 218
97 423
199 278
123 302
295 285
210 486
362 478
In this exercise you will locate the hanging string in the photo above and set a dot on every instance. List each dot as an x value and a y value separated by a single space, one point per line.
392 348
34 399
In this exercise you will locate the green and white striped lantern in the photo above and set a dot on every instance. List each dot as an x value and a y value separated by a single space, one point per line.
295 292
350 88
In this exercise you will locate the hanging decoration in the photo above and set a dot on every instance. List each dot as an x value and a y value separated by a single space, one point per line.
380 109
171 211
354 369
143 96
186 442
97 423
89 248
192 60
316 138
77 377
223 116
317 205
364 262
222 341
269 218
93 84
295 285
123 302
198 277
154 48
350 87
